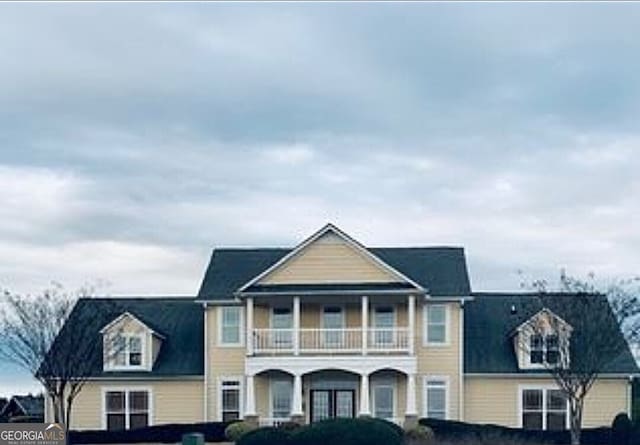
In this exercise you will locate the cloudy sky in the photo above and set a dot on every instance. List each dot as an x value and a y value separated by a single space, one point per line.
136 137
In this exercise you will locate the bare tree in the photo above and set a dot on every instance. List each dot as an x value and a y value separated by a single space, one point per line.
31 328
581 337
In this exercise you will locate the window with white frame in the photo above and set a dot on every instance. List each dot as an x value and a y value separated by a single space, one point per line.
127 351
435 324
231 325
282 324
383 322
333 325
383 395
435 398
230 398
126 409
544 349
281 396
543 409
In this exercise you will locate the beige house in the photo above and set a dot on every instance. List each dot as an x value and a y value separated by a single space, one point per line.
332 328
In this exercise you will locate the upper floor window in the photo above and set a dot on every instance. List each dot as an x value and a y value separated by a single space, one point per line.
544 349
384 322
126 351
230 322
333 325
543 340
435 324
282 324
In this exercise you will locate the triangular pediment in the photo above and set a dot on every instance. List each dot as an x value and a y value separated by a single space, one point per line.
329 256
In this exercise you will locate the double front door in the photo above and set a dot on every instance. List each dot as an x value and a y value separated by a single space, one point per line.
330 403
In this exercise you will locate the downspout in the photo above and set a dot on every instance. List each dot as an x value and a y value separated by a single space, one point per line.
205 408
630 398
461 364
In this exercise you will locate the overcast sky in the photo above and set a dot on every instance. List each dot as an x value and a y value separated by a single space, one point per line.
134 138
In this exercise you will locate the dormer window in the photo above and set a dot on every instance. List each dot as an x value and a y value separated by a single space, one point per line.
536 352
544 349
128 350
543 341
129 344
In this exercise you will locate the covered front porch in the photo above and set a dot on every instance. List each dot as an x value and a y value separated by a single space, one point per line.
310 393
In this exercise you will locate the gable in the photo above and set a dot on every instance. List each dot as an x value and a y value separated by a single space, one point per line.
126 323
329 259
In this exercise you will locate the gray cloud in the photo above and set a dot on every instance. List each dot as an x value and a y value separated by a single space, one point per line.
136 137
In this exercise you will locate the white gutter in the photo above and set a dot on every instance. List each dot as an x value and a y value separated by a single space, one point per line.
461 363
206 364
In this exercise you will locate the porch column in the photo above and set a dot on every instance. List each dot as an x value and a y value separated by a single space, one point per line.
296 404
411 309
364 396
411 396
296 326
250 326
250 403
365 323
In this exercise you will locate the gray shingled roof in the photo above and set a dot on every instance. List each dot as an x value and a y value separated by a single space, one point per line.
440 270
179 320
489 324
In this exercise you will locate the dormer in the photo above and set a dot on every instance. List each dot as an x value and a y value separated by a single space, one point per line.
543 341
129 344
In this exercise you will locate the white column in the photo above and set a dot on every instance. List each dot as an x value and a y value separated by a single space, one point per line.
364 395
296 405
296 325
250 404
411 396
411 308
249 326
365 323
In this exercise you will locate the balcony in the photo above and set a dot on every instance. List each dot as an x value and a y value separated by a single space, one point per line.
330 341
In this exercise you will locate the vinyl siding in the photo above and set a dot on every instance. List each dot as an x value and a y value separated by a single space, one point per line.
329 260
439 360
495 400
223 362
171 402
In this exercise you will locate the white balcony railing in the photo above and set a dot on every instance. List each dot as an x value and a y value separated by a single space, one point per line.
347 340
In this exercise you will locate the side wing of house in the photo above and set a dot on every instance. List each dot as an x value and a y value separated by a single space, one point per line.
149 369
510 347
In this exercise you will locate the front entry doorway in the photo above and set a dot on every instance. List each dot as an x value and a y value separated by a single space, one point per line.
330 403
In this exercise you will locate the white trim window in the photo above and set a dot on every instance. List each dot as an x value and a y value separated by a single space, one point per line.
436 397
384 321
543 409
383 400
230 323
230 399
436 324
544 350
126 409
333 320
281 399
282 324
127 351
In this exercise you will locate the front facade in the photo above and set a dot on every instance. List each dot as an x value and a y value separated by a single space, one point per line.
332 328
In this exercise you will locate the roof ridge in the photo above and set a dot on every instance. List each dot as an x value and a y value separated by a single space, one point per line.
511 294
168 299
